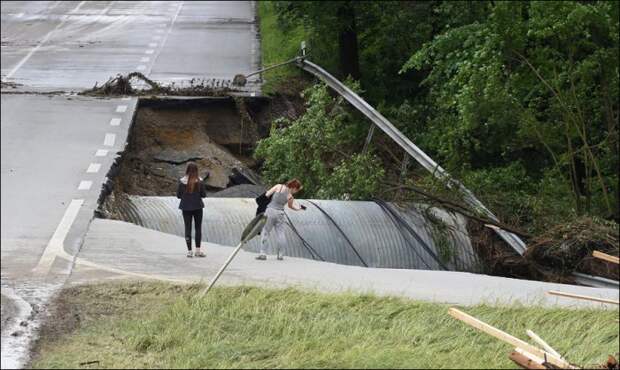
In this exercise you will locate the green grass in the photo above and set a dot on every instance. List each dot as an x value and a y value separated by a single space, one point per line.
277 46
149 325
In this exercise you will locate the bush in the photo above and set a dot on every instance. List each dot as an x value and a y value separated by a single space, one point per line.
320 148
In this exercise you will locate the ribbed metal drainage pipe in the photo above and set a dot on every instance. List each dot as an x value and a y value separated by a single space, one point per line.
349 232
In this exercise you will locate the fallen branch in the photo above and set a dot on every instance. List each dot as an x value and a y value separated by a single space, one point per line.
89 362
462 210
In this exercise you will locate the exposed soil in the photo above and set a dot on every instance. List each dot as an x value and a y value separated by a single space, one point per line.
166 135
219 134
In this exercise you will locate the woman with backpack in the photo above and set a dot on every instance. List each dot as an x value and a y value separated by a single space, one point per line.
191 190
281 194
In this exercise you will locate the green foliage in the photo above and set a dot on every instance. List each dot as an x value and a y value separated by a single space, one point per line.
387 32
356 178
490 90
319 148
277 46
528 82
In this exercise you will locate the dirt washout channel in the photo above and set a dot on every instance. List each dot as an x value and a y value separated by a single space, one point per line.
218 134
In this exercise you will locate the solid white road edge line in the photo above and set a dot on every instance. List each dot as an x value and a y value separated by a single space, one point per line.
56 244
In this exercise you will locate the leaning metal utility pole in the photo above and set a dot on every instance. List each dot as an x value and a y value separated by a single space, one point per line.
253 229
427 162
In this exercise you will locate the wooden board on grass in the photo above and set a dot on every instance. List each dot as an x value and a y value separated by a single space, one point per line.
503 336
583 297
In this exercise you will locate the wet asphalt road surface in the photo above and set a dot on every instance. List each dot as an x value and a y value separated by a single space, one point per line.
57 147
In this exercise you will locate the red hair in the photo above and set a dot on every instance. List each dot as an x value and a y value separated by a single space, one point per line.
294 184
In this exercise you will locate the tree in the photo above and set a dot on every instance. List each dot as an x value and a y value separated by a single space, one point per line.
323 149
530 81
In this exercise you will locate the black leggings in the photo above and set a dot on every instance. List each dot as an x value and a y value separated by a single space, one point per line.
187 219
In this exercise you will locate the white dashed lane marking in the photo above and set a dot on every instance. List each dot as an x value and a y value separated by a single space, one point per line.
115 122
93 168
145 59
159 31
101 153
121 109
109 139
150 51
153 45
141 67
43 41
156 37
85 185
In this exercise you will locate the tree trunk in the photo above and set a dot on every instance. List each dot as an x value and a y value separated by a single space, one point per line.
347 41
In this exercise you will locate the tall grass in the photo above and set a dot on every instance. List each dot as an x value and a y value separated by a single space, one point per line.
277 46
248 327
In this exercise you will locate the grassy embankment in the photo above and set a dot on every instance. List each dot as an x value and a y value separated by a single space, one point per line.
278 46
148 325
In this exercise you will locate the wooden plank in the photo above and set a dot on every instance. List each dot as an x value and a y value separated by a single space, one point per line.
606 257
524 361
583 297
530 356
501 335
542 343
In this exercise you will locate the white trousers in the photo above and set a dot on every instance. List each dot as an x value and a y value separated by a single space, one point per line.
276 222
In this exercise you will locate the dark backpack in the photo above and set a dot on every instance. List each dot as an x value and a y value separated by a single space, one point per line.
262 201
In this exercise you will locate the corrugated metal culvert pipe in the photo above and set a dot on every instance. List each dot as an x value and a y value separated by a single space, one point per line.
373 234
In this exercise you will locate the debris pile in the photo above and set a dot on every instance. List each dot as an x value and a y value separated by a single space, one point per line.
567 248
125 85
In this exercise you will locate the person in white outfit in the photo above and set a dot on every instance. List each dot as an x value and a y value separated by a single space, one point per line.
281 194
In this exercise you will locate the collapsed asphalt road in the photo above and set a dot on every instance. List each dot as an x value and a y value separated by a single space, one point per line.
57 147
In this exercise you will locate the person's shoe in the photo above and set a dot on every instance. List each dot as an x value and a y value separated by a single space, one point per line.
261 257
280 258
199 254
189 254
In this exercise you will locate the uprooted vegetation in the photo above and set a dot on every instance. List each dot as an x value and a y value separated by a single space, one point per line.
568 248
124 85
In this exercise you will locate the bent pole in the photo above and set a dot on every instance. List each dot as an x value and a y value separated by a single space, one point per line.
250 231
217 276
427 162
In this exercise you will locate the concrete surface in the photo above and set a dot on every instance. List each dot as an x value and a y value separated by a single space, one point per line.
53 140
115 248
47 146
71 45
